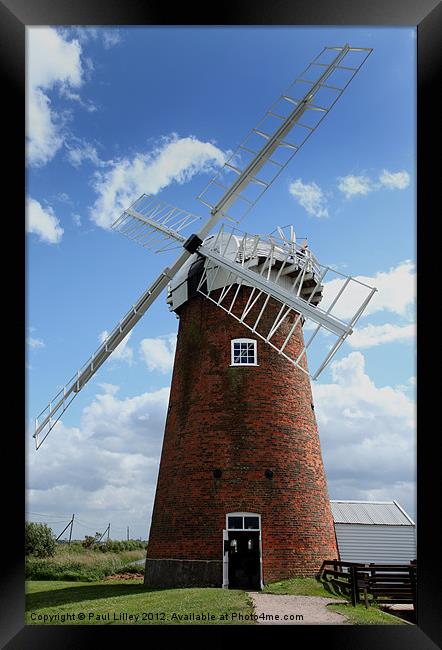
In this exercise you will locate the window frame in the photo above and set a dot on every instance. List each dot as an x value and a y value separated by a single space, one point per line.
255 353
243 515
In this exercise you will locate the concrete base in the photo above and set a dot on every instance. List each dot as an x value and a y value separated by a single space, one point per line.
183 573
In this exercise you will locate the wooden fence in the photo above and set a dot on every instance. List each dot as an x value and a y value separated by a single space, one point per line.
384 583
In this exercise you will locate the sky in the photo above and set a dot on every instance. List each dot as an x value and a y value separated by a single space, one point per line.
116 112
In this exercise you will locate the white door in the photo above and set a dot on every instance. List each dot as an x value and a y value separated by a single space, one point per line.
225 559
260 560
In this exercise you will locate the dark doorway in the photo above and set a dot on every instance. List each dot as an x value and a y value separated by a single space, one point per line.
244 560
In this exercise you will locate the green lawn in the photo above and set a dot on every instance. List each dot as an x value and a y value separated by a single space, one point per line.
129 602
300 587
359 615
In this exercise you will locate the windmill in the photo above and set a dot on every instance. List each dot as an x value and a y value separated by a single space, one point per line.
241 494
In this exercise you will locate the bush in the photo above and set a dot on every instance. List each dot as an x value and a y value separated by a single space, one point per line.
114 546
89 540
39 540
75 547
86 566
132 568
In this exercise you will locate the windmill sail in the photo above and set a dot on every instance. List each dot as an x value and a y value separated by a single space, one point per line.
282 289
278 271
50 415
254 166
155 225
281 133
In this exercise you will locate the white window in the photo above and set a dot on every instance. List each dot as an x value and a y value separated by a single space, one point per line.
243 352
243 521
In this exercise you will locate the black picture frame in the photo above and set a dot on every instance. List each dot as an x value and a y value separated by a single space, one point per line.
15 15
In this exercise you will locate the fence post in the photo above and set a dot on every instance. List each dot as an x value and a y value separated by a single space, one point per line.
365 596
414 589
354 585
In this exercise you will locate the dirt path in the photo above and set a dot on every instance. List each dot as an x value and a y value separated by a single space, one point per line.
312 609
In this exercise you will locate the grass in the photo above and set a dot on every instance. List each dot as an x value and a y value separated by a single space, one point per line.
359 615
112 603
125 602
77 563
300 587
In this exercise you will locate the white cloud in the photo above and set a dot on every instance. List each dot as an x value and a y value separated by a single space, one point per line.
35 343
109 389
310 197
76 219
373 335
111 38
106 469
121 423
51 61
64 198
80 151
351 185
176 159
159 353
87 104
43 222
108 37
43 137
367 435
395 292
394 181
122 352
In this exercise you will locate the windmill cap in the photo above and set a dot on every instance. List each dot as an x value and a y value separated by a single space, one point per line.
240 249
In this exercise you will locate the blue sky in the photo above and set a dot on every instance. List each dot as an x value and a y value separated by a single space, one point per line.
114 112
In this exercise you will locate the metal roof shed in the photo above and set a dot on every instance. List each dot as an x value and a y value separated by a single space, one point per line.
374 531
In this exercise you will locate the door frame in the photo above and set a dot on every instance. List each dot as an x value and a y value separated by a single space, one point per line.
226 539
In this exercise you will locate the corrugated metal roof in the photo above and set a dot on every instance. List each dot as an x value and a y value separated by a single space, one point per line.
369 512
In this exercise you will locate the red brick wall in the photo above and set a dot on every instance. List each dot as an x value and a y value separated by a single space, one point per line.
242 420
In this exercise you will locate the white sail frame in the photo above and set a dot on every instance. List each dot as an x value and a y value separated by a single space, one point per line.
258 266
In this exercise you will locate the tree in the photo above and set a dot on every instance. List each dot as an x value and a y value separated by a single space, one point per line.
39 540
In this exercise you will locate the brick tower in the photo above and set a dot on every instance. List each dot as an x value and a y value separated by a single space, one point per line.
241 497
